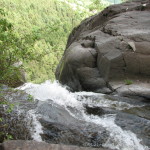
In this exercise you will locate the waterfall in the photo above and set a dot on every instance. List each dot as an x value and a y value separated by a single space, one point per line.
74 104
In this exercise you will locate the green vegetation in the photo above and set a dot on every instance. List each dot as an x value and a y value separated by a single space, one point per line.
128 82
35 33
97 5
30 98
11 122
3 135
9 50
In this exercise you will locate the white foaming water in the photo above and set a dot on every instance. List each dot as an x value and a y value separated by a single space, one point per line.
103 102
53 91
118 139
37 127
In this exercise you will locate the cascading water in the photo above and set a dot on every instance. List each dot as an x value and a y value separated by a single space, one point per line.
74 104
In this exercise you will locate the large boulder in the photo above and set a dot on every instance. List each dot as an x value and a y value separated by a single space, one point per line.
108 48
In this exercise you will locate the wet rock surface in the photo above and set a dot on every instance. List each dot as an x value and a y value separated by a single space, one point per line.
109 48
135 119
61 127
86 123
14 107
127 121
58 125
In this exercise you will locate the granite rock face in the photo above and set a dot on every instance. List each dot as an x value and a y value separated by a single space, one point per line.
109 48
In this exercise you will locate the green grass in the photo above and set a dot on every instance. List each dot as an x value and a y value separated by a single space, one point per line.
128 82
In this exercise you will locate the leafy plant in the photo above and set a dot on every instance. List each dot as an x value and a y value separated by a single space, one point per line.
97 5
8 137
1 119
128 82
10 108
10 51
30 98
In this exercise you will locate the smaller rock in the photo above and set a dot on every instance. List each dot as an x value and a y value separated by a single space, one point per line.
132 45
137 90
87 43
141 91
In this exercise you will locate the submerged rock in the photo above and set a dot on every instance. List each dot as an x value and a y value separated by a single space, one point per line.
109 48
59 126
132 115
83 119
128 120
26 119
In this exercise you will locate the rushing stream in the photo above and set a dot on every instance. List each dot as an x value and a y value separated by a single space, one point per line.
87 118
